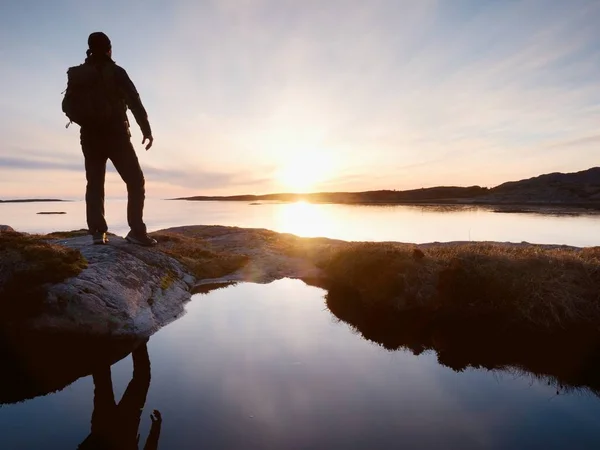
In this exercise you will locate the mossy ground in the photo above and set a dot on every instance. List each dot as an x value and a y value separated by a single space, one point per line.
197 256
547 287
167 280
67 234
27 263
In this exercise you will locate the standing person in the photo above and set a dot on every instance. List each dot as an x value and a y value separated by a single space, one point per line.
97 97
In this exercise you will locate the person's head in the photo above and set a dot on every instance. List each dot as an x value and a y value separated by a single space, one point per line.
99 44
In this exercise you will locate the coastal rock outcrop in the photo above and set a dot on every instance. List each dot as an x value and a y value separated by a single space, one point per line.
124 291
121 290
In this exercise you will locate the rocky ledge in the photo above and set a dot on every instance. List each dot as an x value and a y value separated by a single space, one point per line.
122 290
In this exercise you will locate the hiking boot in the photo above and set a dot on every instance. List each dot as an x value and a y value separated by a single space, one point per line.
140 239
99 238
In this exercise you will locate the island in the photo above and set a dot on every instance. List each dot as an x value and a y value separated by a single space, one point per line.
33 200
578 189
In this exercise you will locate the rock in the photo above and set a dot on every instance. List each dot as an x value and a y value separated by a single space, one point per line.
126 290
5 228
131 291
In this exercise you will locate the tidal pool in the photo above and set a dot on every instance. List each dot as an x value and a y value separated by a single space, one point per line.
272 367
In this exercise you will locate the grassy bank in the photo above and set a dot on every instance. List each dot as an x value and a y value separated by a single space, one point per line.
533 286
526 284
197 256
536 286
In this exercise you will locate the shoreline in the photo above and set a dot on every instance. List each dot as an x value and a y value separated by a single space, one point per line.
495 206
516 206
495 305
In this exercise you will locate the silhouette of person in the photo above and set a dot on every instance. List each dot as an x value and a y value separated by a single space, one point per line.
111 139
115 426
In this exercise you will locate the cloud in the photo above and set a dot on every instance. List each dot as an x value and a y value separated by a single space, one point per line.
584 141
37 164
419 93
191 178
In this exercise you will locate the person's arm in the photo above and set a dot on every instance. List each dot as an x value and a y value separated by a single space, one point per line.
134 103
154 435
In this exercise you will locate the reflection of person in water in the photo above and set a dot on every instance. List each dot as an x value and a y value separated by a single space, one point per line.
115 426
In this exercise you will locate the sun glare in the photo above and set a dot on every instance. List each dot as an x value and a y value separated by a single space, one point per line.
302 172
306 219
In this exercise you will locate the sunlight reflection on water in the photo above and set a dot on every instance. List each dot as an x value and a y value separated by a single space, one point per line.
403 223
307 220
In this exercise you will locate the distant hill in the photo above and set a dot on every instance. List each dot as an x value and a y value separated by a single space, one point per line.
568 189
384 196
33 200
554 188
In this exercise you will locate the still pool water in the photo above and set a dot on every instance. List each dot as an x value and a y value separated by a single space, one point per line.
270 367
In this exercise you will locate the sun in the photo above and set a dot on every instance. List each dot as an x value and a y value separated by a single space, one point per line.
304 171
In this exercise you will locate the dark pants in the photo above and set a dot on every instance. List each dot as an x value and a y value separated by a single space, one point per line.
97 149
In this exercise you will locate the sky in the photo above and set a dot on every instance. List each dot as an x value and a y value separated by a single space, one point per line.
261 96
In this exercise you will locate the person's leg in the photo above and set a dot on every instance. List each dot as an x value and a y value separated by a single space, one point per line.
126 162
95 172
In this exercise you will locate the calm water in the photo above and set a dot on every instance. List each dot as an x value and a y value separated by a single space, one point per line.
349 222
270 367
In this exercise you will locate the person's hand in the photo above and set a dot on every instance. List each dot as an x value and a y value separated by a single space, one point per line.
155 416
150 140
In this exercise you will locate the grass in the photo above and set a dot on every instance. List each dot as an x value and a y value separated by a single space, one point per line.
529 284
27 263
195 254
70 234
519 285
67 234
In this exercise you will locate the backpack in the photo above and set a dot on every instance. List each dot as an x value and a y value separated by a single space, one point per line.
91 97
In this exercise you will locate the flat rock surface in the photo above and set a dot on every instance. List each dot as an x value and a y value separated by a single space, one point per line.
267 261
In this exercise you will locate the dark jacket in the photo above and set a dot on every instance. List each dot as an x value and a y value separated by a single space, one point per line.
127 94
